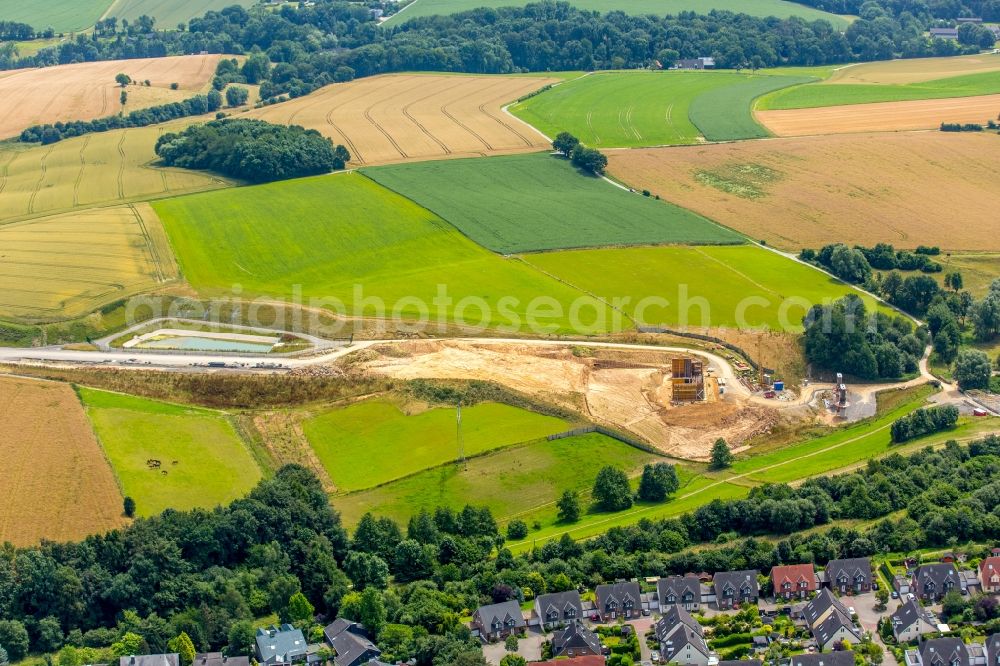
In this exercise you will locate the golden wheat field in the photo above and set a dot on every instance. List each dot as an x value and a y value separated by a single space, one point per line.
900 188
915 70
84 91
90 170
395 118
67 265
57 483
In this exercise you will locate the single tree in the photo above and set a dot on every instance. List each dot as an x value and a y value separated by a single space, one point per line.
882 595
510 645
372 613
612 491
722 457
242 637
565 143
517 530
513 659
657 482
129 507
123 79
299 608
14 638
123 98
184 647
972 369
590 160
236 95
569 507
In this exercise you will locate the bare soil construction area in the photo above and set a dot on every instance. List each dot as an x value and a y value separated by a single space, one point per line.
50 452
807 192
395 118
85 91
881 117
629 391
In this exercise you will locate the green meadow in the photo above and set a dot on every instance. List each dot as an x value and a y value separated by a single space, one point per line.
779 8
168 13
837 94
642 108
348 244
348 440
60 15
203 462
525 203
735 286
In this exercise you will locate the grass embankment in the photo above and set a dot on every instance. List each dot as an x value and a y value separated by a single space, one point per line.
526 203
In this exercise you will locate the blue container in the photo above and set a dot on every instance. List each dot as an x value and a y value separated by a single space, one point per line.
779 386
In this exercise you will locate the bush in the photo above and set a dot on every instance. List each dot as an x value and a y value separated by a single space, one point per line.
517 530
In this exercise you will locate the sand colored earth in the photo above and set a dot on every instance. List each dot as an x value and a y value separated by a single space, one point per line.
395 118
85 91
629 391
57 484
881 117
915 70
929 188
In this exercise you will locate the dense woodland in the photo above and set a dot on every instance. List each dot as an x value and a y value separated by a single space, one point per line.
282 549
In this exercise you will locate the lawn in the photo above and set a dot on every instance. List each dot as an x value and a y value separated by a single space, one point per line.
60 15
203 463
524 203
510 481
779 8
839 94
641 108
347 244
742 286
348 440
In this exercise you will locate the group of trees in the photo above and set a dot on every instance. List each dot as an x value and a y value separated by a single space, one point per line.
586 159
924 421
845 337
252 150
195 106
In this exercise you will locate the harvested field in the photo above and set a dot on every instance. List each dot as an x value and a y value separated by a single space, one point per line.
395 118
881 116
85 91
68 265
808 192
91 170
915 70
50 452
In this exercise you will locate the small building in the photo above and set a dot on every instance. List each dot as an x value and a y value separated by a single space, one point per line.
793 581
839 658
684 591
850 576
497 621
219 659
943 652
830 621
280 645
989 574
575 641
695 63
618 600
736 588
944 33
933 581
558 608
681 638
350 642
911 621
172 659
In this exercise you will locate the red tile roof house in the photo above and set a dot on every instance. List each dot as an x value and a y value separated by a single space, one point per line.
989 574
794 581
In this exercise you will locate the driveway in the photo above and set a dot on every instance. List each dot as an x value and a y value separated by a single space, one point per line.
529 647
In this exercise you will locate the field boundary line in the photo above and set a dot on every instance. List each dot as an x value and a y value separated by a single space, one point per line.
93 429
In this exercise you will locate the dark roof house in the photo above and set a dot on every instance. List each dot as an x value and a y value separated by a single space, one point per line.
683 590
559 607
944 33
575 641
850 575
681 638
497 620
830 621
618 600
944 652
284 645
736 587
933 581
172 659
219 659
993 650
911 621
350 641
840 658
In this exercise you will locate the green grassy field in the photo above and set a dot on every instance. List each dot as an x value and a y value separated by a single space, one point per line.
345 238
347 440
837 94
641 108
779 8
509 481
742 286
168 13
60 15
524 203
212 467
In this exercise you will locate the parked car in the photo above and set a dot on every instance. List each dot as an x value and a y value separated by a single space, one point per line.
655 657
895 594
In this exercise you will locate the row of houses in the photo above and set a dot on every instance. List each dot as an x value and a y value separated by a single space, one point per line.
278 646
950 651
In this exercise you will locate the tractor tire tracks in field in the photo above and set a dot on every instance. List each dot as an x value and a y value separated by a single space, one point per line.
154 256
79 174
42 172
121 165
428 133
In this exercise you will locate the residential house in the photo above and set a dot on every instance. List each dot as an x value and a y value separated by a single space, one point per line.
681 590
498 621
695 63
989 574
943 652
350 642
681 638
739 662
219 659
944 33
736 588
850 576
793 581
590 660
575 641
933 581
839 658
172 659
284 645
993 650
830 621
558 608
911 621
618 600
